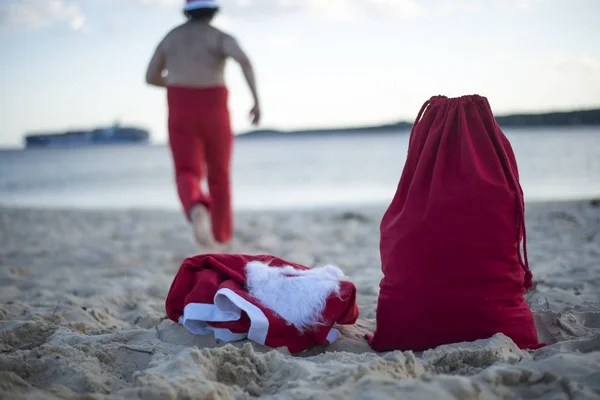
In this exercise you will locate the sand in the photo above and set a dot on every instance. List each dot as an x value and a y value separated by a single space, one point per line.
82 313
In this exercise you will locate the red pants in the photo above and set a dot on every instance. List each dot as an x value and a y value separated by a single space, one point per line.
201 141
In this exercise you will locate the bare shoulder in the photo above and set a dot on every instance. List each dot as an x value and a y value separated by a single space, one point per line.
176 31
168 37
223 36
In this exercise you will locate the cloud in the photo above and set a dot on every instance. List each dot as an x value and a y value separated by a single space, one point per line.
38 14
350 10
579 64
463 7
330 9
160 3
281 40
525 5
397 8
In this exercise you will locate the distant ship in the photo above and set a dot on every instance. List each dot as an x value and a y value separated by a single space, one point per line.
99 136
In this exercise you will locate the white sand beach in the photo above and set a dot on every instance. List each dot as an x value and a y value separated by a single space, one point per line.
82 313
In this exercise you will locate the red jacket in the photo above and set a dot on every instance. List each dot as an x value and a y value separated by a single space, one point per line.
266 299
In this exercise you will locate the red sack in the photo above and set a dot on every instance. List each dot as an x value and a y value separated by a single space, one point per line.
450 239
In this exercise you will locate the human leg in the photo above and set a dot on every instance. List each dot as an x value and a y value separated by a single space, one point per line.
188 150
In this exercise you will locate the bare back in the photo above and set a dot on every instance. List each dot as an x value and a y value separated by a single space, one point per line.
194 55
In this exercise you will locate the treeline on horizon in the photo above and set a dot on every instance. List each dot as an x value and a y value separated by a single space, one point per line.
568 118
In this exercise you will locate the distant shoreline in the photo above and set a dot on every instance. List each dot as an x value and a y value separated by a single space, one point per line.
590 117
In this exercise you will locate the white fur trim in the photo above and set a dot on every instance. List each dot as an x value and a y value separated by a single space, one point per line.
211 312
259 324
333 335
195 315
198 327
202 328
228 306
196 4
297 296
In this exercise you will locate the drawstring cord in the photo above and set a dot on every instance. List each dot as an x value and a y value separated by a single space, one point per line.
523 260
421 111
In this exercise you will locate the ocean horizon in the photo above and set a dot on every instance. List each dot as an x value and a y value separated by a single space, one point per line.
555 164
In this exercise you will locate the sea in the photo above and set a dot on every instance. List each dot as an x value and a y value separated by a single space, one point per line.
288 172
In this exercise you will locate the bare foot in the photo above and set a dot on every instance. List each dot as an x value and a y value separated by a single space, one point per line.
201 225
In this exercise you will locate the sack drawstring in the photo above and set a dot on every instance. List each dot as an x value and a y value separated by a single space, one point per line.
523 259
419 115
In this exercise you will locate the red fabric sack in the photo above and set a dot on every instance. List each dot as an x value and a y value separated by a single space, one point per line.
450 240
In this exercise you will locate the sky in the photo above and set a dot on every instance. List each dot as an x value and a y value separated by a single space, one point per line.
69 64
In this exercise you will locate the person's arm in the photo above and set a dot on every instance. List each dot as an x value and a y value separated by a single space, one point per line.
232 49
154 73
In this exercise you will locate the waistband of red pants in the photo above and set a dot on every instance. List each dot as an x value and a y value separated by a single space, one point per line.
194 97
